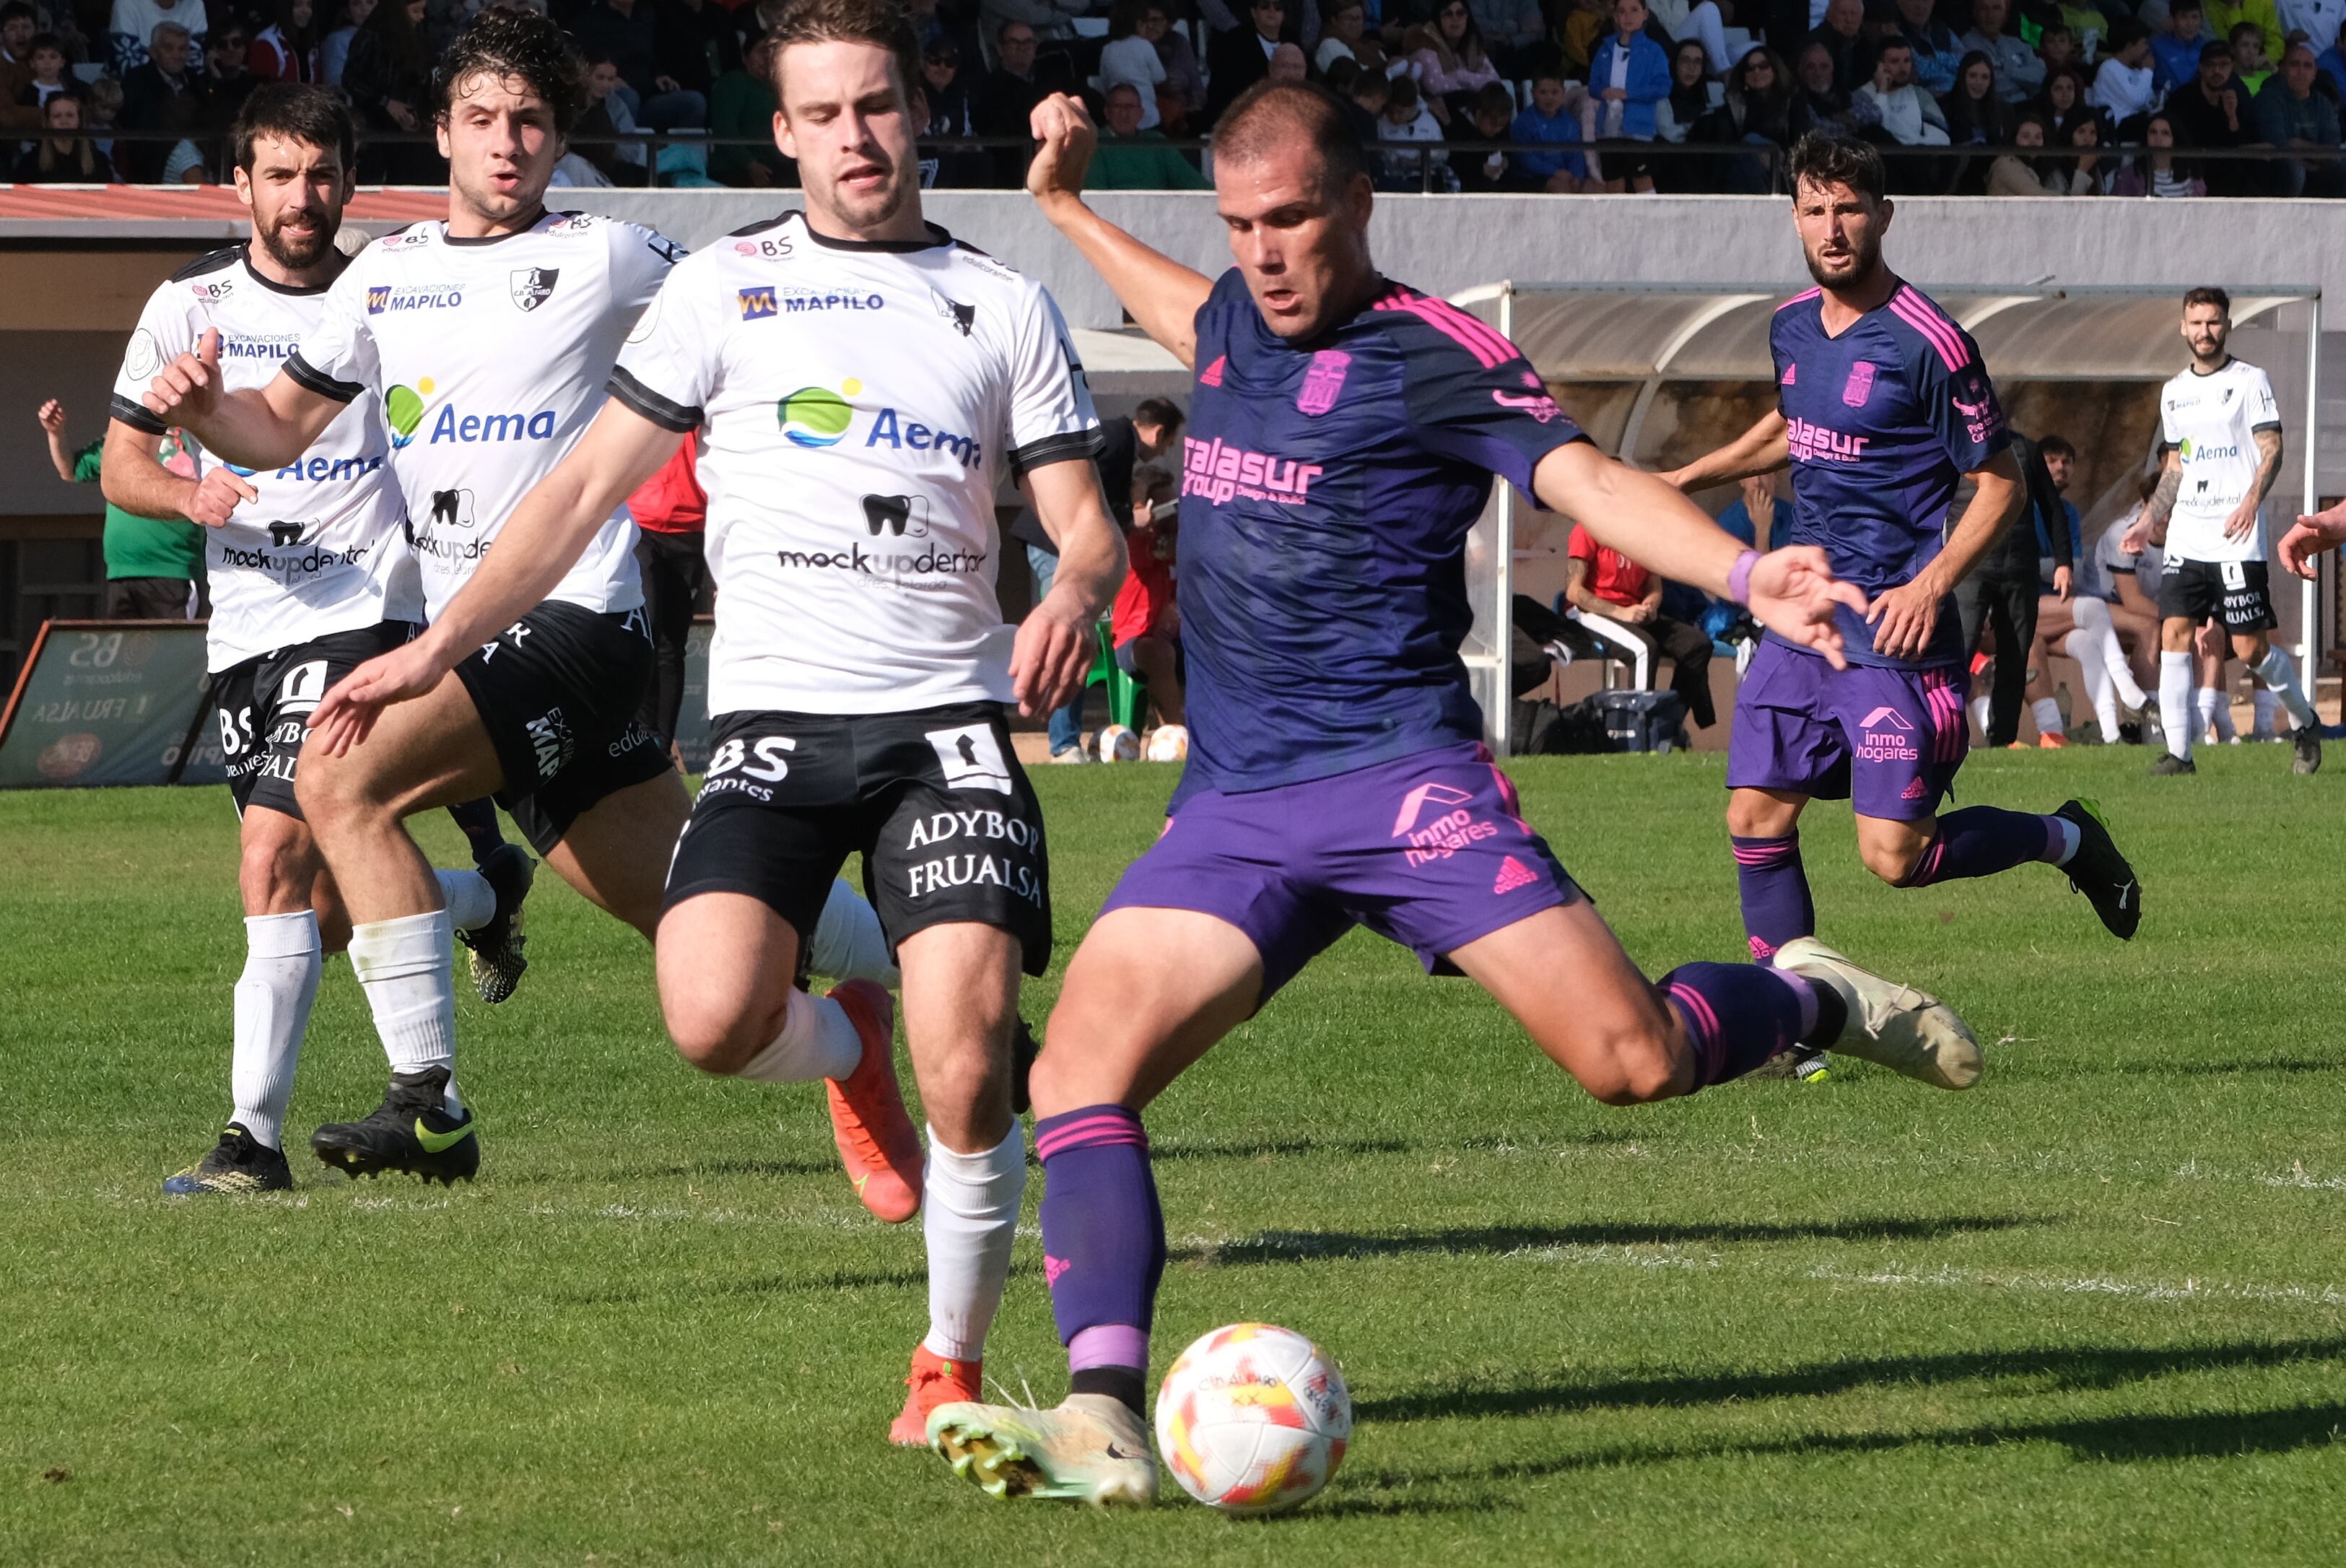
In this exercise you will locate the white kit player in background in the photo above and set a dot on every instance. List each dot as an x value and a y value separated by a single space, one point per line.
861 383
2223 438
488 339
309 575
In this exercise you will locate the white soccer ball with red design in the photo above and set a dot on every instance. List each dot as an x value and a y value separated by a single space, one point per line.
1118 744
1253 1419
1168 743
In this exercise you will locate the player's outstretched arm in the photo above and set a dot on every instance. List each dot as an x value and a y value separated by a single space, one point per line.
2312 534
260 427
1904 617
132 477
1763 449
539 542
1162 295
1053 656
1789 591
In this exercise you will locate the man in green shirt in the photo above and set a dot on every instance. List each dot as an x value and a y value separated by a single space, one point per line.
1130 158
741 107
151 563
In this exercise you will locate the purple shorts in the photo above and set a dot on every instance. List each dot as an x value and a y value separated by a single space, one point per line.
1428 850
1887 740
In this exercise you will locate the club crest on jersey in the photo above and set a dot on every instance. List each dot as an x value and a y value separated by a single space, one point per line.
534 286
1323 382
756 304
1855 391
963 317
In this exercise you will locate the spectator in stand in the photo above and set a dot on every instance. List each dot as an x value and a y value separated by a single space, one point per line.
45 56
2087 173
1131 54
227 82
1144 624
1239 58
2063 103
1043 19
334 51
2175 48
20 110
1754 111
2224 19
1706 25
388 79
1449 60
287 49
1510 29
1817 102
953 112
2251 66
1629 75
1289 67
1006 99
699 43
2290 113
2125 84
1602 582
1842 34
2210 114
1975 112
2158 171
630 30
1551 120
62 157
130 32
1365 94
1692 96
101 113
1182 95
605 132
152 565
1751 516
2089 24
672 512
164 95
1936 49
2057 48
1488 173
1909 116
1346 37
1576 36
2318 20
1407 120
2022 173
2019 74
1131 158
741 105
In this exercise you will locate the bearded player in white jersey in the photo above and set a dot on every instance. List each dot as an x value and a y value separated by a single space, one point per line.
2221 427
859 379
309 575
488 338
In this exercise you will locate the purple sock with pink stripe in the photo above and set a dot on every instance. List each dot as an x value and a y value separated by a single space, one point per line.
1738 1015
1980 842
1777 907
1103 1235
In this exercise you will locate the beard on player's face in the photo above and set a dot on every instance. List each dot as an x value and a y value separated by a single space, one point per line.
1852 267
871 207
298 252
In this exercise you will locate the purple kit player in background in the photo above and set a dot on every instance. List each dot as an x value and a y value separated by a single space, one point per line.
1343 438
1884 407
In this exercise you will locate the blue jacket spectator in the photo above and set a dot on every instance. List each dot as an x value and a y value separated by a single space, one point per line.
1557 128
1630 61
2175 52
1936 49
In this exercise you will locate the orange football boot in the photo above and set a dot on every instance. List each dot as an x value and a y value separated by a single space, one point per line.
877 1141
933 1382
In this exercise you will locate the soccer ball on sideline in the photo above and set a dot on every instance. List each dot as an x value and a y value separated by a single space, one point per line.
1253 1419
1119 744
1168 743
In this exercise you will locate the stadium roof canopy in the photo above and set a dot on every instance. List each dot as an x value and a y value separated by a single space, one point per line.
1622 331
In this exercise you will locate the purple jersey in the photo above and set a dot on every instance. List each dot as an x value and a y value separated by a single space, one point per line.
1327 490
1883 421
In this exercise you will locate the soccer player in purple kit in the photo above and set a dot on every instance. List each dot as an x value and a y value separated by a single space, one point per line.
1884 405
1343 437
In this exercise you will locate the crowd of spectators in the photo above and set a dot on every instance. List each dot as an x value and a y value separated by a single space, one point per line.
2061 97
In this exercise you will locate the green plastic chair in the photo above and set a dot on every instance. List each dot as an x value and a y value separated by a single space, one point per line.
1128 695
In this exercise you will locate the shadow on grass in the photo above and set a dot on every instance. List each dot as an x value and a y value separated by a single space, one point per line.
1302 1246
2116 1440
814 1283
703 1170
1267 1148
2067 1369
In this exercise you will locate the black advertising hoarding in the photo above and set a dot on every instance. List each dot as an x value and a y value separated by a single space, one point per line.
109 703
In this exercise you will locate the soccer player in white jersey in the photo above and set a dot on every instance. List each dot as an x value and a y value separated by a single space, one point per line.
861 381
309 575
488 338
2223 439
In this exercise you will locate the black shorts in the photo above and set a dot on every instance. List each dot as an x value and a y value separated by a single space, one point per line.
557 692
936 801
2232 592
262 703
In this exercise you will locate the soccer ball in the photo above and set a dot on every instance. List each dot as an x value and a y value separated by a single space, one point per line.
1169 743
1253 1419
1118 744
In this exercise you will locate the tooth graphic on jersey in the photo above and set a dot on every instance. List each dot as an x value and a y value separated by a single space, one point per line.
285 535
895 512
451 509
817 416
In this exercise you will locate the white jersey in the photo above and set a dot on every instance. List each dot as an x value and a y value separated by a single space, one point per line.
491 355
857 404
321 550
2148 567
2212 422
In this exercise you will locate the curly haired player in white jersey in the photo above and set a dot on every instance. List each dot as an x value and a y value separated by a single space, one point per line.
309 574
2223 437
488 338
859 379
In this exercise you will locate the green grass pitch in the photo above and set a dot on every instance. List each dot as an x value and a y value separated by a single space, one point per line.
2094 1311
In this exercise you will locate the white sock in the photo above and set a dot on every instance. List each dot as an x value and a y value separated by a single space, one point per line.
2062 839
969 1214
2095 625
818 1040
471 901
2219 714
848 942
1980 709
2278 672
2267 704
2047 714
2175 709
402 966
2080 646
281 963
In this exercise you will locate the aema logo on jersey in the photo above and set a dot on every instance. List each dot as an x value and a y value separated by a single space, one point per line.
534 286
403 409
2191 451
818 417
